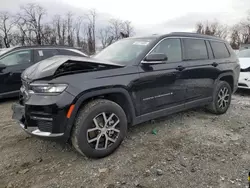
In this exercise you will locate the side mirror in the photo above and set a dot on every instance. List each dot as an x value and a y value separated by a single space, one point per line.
155 58
2 66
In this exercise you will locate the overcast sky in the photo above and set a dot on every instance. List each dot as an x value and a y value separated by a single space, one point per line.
156 16
158 11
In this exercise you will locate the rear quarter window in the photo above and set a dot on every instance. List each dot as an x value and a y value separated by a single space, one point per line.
220 50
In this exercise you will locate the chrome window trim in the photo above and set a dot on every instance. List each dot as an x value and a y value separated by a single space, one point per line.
176 37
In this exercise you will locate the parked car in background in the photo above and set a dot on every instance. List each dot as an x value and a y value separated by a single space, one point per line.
244 79
92 101
13 61
236 51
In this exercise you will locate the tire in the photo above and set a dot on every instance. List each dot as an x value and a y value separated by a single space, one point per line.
90 137
216 107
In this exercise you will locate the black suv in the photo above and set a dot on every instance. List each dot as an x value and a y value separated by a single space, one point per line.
13 61
91 101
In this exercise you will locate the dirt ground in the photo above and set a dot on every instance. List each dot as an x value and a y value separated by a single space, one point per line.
190 149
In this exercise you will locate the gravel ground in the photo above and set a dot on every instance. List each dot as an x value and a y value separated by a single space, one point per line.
190 149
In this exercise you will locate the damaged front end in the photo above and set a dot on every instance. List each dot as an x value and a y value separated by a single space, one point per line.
73 67
44 103
61 65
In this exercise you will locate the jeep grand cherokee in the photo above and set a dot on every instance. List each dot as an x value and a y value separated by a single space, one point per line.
92 101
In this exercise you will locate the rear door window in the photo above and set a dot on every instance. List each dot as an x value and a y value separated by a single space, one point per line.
195 49
41 54
220 50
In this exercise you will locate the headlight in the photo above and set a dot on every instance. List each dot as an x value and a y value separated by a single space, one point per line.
47 88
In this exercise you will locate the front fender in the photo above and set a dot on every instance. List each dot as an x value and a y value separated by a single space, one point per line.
80 100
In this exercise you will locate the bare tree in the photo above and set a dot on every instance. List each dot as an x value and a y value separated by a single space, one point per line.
127 28
91 29
245 30
199 28
28 27
33 14
115 28
105 37
60 27
69 20
212 28
235 39
6 24
57 23
78 26
49 35
21 26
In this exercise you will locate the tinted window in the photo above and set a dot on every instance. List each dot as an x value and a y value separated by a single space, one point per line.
195 49
17 58
42 54
72 52
220 50
170 47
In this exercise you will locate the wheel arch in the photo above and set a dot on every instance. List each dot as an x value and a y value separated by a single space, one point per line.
118 95
227 77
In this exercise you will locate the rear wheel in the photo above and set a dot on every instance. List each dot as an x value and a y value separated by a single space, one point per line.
221 98
99 128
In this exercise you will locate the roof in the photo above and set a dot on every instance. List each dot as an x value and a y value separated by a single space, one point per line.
180 34
43 46
7 50
187 34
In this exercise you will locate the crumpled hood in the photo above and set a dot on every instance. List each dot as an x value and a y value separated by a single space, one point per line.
244 62
48 67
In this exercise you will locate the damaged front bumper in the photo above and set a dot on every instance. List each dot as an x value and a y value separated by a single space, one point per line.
19 116
244 80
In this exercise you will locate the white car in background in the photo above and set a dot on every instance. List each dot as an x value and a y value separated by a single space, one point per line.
244 79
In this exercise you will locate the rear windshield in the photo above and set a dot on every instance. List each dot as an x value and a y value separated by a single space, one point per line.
244 53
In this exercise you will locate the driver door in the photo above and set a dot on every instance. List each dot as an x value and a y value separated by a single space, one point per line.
161 85
15 63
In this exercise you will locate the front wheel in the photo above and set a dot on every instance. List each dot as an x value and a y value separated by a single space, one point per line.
221 98
99 128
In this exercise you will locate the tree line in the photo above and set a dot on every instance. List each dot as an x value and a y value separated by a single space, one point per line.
29 27
237 34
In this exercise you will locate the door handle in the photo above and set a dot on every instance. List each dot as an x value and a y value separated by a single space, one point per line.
180 68
215 64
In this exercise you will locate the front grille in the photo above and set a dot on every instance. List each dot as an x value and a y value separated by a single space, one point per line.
45 126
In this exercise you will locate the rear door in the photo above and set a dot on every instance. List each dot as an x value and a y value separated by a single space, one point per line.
201 71
15 62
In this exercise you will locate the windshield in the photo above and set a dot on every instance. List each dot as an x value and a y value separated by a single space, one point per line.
244 53
124 51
